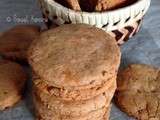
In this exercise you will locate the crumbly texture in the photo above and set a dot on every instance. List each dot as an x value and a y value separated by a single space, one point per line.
74 108
73 57
138 92
103 5
14 43
72 95
45 113
12 79
96 115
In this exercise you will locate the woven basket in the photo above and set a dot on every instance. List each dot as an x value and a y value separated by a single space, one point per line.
121 23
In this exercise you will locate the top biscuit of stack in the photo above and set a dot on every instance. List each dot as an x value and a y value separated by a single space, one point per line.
74 57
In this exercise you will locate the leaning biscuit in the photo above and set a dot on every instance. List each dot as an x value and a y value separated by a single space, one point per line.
15 42
103 5
74 4
138 92
12 79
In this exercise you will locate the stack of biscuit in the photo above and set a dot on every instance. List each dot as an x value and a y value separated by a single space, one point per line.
75 68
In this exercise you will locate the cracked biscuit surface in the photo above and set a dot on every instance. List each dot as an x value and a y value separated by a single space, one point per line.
12 80
138 92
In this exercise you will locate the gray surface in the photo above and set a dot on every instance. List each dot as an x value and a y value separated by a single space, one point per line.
143 48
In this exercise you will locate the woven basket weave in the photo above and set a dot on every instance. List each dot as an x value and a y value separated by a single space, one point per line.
121 23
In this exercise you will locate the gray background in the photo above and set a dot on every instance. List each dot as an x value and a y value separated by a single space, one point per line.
142 48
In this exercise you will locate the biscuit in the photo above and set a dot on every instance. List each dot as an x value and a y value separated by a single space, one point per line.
88 5
45 113
73 108
15 42
12 80
138 92
72 57
103 5
75 95
74 4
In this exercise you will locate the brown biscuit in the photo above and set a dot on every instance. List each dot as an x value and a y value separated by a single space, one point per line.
74 108
45 113
138 92
107 113
72 95
15 42
103 5
63 2
71 57
74 4
12 79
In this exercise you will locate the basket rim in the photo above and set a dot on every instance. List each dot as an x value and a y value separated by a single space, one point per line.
53 3
107 20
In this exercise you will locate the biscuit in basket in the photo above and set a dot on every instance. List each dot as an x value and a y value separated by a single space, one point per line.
103 5
74 4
